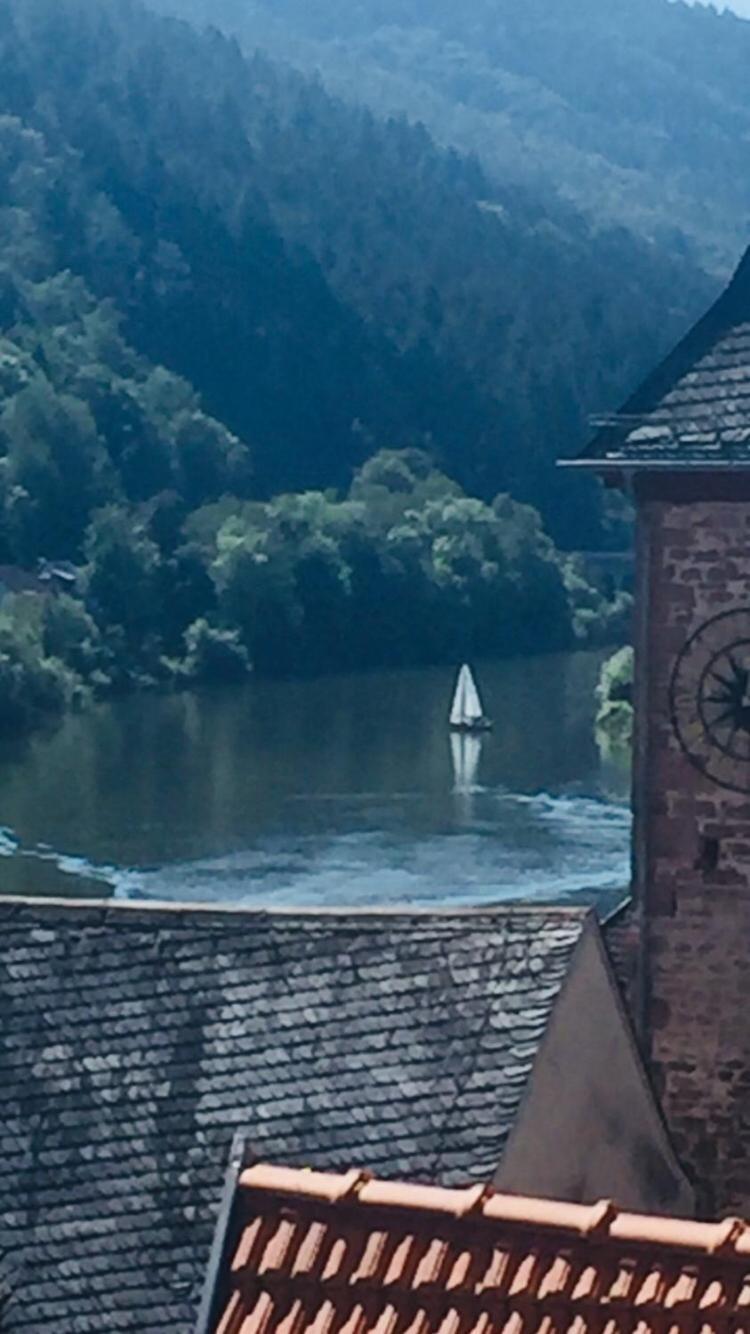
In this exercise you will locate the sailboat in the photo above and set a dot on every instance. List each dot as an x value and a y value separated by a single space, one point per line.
466 713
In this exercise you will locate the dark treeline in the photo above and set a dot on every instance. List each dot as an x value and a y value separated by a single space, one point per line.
406 569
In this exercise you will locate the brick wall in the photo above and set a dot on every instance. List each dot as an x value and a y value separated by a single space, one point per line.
693 1004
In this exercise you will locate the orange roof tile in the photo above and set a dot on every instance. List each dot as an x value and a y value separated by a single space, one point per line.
315 1253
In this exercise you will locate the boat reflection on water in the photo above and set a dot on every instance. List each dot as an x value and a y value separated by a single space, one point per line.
466 752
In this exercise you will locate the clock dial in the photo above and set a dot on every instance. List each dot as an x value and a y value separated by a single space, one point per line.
710 699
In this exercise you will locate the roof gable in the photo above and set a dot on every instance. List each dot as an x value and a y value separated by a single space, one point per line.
316 1252
134 1041
693 411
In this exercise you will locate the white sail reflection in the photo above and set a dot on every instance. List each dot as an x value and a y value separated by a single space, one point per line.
466 751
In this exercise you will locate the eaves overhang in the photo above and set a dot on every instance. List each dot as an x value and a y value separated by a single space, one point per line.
623 464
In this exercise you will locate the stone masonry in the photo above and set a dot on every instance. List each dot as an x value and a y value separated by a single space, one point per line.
693 992
681 443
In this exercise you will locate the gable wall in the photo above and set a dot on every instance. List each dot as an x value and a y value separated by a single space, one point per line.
588 1128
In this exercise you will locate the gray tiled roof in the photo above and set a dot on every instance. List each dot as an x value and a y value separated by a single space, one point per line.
694 410
134 1041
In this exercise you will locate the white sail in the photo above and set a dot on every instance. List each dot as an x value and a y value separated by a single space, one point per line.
467 706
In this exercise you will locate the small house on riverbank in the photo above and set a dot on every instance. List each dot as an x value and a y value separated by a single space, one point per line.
443 1047
50 577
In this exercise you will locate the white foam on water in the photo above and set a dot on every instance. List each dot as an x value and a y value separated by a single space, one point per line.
502 847
8 843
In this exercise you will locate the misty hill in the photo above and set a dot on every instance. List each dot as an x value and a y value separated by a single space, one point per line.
637 111
328 282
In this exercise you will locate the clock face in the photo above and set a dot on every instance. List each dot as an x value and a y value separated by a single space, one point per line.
710 699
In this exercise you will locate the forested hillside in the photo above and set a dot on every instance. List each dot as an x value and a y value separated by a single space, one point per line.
170 361
441 311
220 287
637 111
152 196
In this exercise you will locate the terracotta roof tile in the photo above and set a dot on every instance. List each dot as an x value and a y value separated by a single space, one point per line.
408 1260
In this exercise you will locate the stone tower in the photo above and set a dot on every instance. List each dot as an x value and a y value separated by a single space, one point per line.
681 446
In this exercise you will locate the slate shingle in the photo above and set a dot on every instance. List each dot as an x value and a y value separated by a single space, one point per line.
695 408
135 1041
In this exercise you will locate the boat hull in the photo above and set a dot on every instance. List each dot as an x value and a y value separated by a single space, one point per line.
481 725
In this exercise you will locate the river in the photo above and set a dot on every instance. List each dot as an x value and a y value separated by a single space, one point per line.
342 791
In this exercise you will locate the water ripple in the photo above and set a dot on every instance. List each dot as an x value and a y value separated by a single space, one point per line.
495 847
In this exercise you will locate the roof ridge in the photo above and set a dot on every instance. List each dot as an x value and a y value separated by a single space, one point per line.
13 904
739 285
601 1221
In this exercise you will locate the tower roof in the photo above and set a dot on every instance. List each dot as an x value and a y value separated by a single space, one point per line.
693 411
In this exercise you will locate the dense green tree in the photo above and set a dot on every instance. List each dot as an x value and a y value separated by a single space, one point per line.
56 458
211 462
614 695
71 635
34 683
124 581
214 656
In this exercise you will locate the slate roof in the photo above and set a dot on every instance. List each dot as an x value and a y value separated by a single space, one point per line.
324 1254
135 1040
694 410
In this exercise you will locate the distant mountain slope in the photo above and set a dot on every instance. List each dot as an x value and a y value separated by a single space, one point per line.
157 205
328 282
638 111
